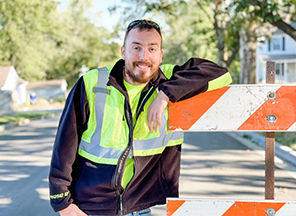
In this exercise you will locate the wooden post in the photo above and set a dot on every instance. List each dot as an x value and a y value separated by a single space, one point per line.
269 142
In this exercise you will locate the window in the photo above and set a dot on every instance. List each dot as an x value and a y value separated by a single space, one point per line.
280 69
276 44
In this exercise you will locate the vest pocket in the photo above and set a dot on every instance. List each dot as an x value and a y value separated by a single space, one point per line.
114 129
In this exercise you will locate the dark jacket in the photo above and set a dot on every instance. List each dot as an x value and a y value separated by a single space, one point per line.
74 179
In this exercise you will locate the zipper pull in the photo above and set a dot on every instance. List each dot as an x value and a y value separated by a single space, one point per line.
121 205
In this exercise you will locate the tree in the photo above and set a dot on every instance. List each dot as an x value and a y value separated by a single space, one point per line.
248 46
42 42
226 30
25 36
81 43
256 13
274 12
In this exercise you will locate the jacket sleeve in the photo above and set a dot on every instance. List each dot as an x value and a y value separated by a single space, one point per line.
71 126
194 77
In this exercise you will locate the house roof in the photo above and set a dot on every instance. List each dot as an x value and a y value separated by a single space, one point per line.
3 74
278 57
279 31
45 84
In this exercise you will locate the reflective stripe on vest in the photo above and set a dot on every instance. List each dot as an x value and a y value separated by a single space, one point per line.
93 151
156 145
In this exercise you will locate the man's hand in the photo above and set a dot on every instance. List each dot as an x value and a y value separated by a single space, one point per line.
72 210
156 109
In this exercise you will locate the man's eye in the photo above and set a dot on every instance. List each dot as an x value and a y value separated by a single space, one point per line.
136 48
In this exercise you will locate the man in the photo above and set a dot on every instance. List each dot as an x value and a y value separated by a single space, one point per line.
113 154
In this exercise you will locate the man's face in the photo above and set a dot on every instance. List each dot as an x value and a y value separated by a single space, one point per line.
142 54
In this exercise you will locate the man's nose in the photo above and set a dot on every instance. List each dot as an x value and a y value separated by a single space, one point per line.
144 55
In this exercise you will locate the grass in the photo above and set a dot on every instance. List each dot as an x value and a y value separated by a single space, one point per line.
285 138
22 116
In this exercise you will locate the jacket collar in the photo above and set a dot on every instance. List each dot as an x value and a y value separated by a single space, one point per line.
116 78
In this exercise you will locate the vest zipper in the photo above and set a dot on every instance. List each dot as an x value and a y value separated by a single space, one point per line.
121 203
143 102
122 160
117 178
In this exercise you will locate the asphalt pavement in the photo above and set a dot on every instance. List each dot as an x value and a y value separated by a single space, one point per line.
215 165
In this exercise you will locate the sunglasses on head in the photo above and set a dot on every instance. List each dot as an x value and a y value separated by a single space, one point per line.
142 21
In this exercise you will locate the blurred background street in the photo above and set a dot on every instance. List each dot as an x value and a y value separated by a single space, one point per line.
214 165
46 46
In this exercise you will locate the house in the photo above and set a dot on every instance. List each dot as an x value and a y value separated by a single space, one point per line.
281 48
10 82
48 89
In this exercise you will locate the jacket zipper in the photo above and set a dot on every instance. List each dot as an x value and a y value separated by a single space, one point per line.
121 203
116 181
143 102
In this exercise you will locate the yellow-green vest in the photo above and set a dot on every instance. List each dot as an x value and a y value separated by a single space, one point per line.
107 134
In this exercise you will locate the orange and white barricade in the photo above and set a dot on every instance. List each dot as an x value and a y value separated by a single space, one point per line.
212 207
268 107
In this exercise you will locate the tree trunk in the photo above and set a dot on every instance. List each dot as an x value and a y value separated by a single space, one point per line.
220 44
248 47
285 27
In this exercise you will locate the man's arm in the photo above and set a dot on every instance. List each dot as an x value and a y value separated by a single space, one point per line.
156 109
194 77
72 124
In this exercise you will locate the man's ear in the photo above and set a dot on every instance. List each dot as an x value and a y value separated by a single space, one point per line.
123 53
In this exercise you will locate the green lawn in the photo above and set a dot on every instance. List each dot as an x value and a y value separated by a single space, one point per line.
21 116
285 138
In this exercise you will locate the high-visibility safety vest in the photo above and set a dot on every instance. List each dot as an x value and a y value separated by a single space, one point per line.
107 136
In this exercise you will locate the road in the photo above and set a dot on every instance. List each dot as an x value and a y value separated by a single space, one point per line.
25 153
214 165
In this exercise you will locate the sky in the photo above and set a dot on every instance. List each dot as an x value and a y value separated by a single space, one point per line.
108 21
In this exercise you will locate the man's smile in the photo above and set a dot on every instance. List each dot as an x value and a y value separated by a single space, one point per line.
142 66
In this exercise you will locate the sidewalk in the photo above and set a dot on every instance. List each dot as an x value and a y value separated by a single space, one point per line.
281 151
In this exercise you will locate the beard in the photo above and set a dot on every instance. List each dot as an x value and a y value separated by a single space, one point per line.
139 76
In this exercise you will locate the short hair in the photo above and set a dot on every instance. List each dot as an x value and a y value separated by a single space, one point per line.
142 24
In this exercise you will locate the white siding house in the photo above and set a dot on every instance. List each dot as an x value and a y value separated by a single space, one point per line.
10 81
281 49
48 89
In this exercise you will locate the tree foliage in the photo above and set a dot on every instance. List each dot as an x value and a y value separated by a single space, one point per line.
275 12
25 35
81 43
42 42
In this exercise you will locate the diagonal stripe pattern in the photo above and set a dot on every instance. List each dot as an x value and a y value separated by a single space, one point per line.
201 207
269 107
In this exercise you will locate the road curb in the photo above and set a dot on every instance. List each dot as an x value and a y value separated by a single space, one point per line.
281 151
24 122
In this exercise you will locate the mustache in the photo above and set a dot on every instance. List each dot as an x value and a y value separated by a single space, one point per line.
142 62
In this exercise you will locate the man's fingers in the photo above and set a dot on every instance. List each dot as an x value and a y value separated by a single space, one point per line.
150 122
155 111
159 120
153 121
155 125
151 126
